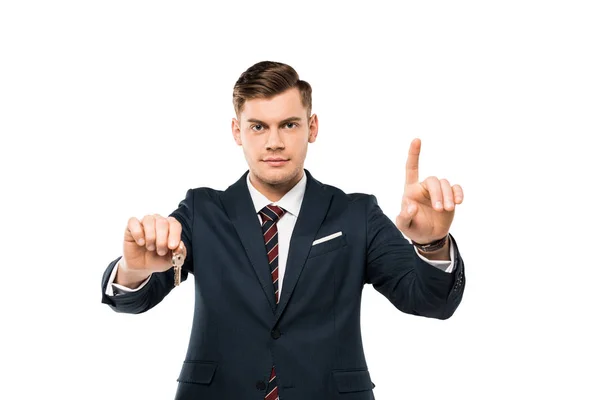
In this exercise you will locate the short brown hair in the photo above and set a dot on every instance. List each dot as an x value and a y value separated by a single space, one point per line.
267 79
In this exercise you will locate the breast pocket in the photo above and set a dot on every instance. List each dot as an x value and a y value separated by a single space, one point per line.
327 244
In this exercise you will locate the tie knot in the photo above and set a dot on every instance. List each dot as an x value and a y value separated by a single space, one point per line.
271 213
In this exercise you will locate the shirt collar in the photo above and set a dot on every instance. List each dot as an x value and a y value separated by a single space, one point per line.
290 202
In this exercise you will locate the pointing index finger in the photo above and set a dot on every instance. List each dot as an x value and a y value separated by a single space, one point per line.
412 163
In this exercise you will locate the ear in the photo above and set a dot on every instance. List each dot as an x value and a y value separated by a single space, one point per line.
236 131
313 128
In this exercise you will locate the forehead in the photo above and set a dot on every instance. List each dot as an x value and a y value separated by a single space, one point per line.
276 108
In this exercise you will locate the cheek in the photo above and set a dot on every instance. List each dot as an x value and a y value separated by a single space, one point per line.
252 149
300 147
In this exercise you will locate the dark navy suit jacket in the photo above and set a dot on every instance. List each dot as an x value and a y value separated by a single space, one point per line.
312 336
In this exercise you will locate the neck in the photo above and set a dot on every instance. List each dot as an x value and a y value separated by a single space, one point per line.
274 192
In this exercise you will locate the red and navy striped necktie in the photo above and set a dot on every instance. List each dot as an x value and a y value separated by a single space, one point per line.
270 214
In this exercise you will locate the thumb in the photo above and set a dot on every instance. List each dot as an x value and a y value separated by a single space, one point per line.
406 215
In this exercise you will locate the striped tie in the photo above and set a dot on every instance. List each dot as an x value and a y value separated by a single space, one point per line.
270 214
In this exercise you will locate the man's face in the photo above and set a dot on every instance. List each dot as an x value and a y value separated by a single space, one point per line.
279 128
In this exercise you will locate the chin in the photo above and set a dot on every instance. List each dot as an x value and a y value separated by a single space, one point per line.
276 176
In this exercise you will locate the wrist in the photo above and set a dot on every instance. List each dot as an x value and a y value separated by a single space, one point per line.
432 246
432 252
130 278
440 255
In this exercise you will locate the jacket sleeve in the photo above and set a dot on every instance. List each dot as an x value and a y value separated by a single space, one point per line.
160 283
396 271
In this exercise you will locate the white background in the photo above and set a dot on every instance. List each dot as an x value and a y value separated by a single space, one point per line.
114 109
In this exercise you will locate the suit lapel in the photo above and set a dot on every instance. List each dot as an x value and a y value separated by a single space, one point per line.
312 213
240 209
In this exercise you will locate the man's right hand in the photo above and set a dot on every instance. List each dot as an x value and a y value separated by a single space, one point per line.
147 248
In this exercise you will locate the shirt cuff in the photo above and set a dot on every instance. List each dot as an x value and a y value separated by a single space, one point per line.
114 289
447 266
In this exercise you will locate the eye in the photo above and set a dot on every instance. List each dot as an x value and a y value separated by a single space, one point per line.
256 128
290 125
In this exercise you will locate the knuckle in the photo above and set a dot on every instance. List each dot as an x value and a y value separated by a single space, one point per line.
162 222
175 225
132 227
434 183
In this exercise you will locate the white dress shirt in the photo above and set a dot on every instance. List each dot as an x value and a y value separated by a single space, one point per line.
291 203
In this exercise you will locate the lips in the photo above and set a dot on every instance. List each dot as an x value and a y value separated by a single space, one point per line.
276 162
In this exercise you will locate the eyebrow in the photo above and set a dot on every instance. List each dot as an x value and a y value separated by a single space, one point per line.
290 119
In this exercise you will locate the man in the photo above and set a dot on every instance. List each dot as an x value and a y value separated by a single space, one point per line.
280 259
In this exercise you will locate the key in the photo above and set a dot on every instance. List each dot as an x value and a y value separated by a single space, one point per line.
177 260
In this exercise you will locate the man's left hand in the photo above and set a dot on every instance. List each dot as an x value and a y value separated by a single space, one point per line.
427 207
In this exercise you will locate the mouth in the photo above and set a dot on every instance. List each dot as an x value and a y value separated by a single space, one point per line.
276 162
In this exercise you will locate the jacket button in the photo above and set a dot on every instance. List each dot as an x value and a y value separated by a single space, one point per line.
260 385
275 333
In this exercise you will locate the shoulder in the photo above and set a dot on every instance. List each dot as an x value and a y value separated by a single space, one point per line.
198 197
355 198
205 192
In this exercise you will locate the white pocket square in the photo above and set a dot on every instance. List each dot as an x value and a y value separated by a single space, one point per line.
326 238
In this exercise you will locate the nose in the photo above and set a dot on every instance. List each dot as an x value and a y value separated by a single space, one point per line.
274 140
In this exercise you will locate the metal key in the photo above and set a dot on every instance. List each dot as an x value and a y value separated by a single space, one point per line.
177 261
